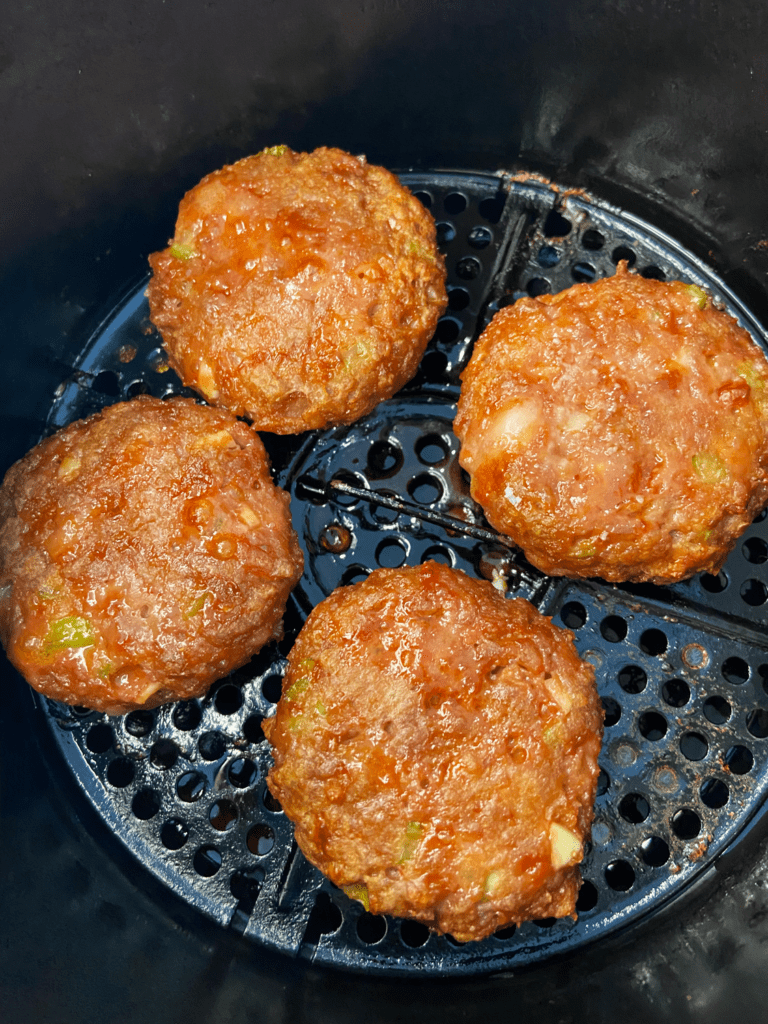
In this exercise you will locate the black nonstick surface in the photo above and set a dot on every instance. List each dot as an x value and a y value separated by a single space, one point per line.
682 671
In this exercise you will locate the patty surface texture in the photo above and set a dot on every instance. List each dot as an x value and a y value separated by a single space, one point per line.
144 553
299 289
436 747
617 429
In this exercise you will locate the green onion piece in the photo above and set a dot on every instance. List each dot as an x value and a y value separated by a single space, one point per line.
709 468
274 150
698 295
358 891
182 251
72 631
298 687
105 670
747 370
414 831
198 604
307 664
584 549
321 709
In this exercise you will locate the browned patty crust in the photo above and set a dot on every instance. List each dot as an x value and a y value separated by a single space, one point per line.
300 289
144 553
617 429
436 747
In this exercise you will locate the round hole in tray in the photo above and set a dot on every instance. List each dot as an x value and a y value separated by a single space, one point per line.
739 759
583 271
424 198
634 808
242 773
252 729
632 679
480 237
211 746
455 202
623 252
426 489
458 298
556 225
654 851
371 928
207 861
653 642
714 584
693 746
272 688
716 709
653 272
592 239
538 286
753 592
99 738
548 257
145 804
573 614
391 553
611 711
384 460
413 933
260 839
686 824
714 793
613 629
735 670
620 875
468 268
324 919
187 715
121 772
431 449
492 208
190 786
163 754
140 723
587 898
245 884
676 692
652 725
174 834
447 330
228 699
222 815
445 231
755 550
757 723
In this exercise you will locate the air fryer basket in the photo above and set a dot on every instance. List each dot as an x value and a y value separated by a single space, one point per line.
148 873
682 672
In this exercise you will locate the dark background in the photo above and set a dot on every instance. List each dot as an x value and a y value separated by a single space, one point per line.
109 111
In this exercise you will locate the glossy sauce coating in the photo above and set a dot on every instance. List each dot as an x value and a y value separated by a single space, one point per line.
436 747
144 553
300 289
617 429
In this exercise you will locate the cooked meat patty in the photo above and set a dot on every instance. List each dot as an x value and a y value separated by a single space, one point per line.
436 747
144 553
300 289
618 429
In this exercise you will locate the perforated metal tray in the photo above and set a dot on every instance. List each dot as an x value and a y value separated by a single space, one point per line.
682 671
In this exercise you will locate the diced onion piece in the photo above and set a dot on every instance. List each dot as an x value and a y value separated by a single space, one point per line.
182 252
709 468
565 846
274 150
206 381
414 831
147 692
69 468
358 891
698 295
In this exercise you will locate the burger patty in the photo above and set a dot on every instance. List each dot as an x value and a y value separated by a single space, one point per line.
300 289
436 748
144 553
618 429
